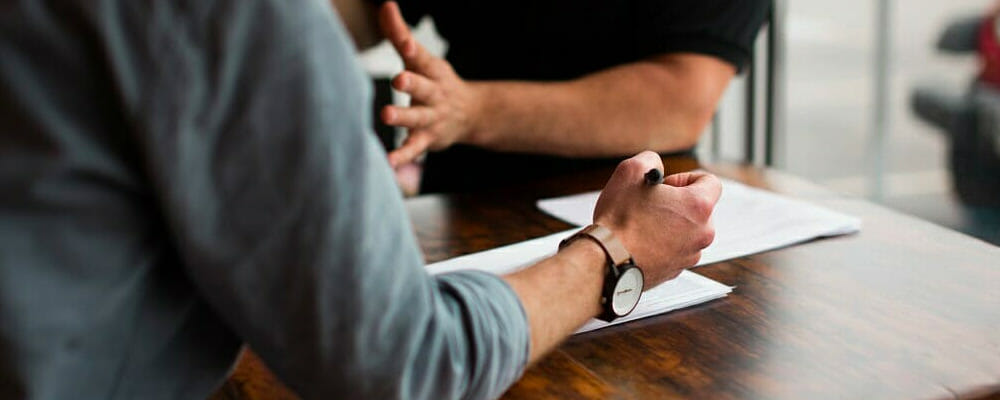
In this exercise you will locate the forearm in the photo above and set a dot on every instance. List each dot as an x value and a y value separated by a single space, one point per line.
560 294
314 264
661 104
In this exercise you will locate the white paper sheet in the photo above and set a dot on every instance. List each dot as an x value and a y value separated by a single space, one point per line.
747 220
686 290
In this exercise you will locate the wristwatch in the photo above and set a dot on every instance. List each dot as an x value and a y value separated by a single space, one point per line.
623 280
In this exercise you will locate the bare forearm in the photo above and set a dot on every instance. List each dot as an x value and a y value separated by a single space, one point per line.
560 293
660 104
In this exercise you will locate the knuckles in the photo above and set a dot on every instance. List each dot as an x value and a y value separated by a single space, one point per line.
647 154
699 208
643 159
693 260
443 67
638 165
705 237
632 167
628 165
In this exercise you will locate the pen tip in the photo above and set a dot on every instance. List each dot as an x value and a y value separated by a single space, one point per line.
654 177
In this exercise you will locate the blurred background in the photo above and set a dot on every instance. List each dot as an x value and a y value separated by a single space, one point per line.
846 75
832 133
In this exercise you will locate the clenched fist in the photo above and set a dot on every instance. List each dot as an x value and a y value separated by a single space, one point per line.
665 226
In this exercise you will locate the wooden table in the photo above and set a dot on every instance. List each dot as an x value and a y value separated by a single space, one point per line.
905 309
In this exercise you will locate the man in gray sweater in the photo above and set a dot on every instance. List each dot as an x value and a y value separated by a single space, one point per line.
178 178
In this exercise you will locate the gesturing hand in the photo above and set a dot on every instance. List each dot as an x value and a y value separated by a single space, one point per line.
665 227
443 106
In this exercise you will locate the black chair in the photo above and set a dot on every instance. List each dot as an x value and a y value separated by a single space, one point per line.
772 74
969 119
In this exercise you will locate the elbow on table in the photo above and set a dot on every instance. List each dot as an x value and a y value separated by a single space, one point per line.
462 335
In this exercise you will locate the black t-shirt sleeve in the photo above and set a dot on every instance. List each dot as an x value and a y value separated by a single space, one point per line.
722 28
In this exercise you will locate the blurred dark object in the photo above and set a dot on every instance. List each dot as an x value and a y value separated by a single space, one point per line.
969 119
383 97
960 36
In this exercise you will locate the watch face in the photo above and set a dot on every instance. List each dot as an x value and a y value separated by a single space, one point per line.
627 291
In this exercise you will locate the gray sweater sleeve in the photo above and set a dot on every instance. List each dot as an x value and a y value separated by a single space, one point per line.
253 118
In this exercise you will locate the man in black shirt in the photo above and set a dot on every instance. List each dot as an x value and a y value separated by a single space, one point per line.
535 88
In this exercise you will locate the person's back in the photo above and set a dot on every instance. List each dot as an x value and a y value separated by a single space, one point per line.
178 177
93 301
122 124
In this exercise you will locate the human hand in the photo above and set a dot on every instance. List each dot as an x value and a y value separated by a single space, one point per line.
408 178
666 226
443 107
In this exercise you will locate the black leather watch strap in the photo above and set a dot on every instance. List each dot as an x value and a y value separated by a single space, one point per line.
618 260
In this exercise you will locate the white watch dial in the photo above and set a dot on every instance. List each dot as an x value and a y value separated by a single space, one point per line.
627 291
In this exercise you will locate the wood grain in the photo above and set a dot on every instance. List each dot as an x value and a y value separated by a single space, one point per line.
904 309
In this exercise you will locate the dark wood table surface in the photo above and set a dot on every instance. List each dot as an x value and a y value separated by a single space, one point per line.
903 310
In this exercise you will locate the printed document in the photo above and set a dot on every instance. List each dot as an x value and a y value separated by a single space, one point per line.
747 220
686 290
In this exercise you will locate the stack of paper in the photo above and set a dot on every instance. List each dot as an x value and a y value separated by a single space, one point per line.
747 220
686 290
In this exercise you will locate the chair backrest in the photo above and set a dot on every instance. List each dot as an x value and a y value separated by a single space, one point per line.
757 137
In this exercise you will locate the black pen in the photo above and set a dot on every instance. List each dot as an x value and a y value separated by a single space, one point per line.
654 177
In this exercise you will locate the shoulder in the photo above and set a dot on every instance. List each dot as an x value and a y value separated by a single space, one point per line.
703 12
722 28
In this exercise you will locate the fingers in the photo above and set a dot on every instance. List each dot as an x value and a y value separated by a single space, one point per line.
417 86
417 58
701 192
702 184
408 178
636 167
392 25
394 28
681 179
648 160
414 145
409 117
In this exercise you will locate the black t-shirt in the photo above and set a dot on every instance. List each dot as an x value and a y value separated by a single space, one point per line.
560 40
